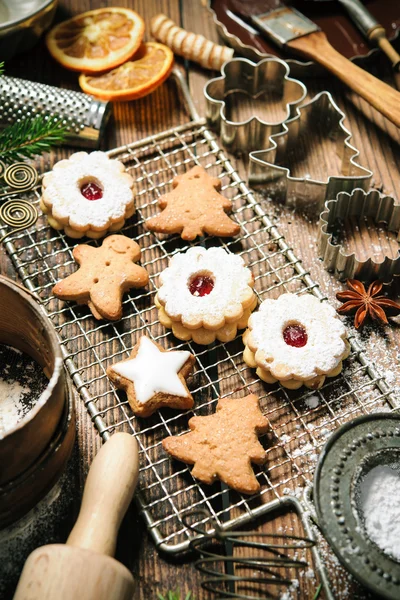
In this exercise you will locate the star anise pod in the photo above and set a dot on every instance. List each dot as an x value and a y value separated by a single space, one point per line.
366 302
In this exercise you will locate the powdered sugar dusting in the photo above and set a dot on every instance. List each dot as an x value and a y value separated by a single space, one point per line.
22 383
380 507
11 396
232 286
325 347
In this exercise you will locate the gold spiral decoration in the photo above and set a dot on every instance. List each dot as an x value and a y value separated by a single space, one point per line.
18 214
21 177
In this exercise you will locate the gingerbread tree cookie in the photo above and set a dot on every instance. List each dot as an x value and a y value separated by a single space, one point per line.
154 378
194 208
224 445
104 275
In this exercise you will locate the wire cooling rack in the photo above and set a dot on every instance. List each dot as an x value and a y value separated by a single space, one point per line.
300 420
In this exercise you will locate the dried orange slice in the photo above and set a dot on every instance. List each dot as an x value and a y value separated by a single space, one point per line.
136 78
96 40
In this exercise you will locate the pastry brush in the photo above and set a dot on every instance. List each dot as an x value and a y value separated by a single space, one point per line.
290 29
371 29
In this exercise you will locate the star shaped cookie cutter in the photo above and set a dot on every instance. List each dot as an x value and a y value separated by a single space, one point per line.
241 75
270 168
382 209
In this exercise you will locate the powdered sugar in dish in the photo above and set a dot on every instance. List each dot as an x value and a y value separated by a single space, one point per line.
379 502
22 382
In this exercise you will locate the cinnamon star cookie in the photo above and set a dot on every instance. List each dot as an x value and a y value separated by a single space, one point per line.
154 378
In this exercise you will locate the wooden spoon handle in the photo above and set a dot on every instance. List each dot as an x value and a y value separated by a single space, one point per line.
380 95
108 492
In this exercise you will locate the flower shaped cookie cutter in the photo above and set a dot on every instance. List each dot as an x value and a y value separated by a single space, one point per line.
241 75
382 209
270 168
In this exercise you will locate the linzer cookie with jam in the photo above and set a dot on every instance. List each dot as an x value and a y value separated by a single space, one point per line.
205 295
88 194
296 340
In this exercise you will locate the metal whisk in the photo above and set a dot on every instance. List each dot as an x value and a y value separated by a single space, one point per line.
246 564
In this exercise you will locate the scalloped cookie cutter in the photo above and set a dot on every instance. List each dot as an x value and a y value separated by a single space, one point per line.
267 167
253 79
383 209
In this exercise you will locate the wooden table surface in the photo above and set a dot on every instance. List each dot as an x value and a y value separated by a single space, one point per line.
377 140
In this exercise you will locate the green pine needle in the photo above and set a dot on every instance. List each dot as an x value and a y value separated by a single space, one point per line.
29 137
175 595
1 68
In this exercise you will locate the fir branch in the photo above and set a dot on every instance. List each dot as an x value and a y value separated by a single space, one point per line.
1 68
29 137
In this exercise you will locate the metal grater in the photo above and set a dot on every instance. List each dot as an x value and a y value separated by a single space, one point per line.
84 116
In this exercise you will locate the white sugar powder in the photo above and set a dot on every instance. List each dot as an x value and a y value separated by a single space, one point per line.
380 506
312 401
11 410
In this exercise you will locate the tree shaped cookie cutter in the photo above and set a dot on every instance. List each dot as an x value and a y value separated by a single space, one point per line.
241 75
269 167
382 209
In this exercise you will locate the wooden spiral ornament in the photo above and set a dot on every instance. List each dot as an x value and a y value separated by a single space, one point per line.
18 214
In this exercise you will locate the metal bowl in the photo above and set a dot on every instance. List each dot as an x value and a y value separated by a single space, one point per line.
22 22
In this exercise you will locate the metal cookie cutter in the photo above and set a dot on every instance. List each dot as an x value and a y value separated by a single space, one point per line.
253 79
382 209
322 116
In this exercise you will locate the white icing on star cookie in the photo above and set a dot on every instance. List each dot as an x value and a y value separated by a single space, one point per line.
153 371
322 354
231 292
67 207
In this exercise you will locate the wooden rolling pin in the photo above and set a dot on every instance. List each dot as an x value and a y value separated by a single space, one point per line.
84 568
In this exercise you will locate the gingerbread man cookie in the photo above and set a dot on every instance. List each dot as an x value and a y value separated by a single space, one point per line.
194 208
154 378
296 340
205 295
104 275
224 445
88 194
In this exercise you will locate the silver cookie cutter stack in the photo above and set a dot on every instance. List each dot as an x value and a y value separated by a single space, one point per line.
270 166
270 143
241 75
382 209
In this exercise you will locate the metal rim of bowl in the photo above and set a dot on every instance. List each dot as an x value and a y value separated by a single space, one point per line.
339 468
10 24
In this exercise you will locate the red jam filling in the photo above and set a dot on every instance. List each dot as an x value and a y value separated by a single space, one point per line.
91 191
201 285
295 335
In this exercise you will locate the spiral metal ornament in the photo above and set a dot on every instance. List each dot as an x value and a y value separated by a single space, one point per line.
3 168
18 214
21 177
246 565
